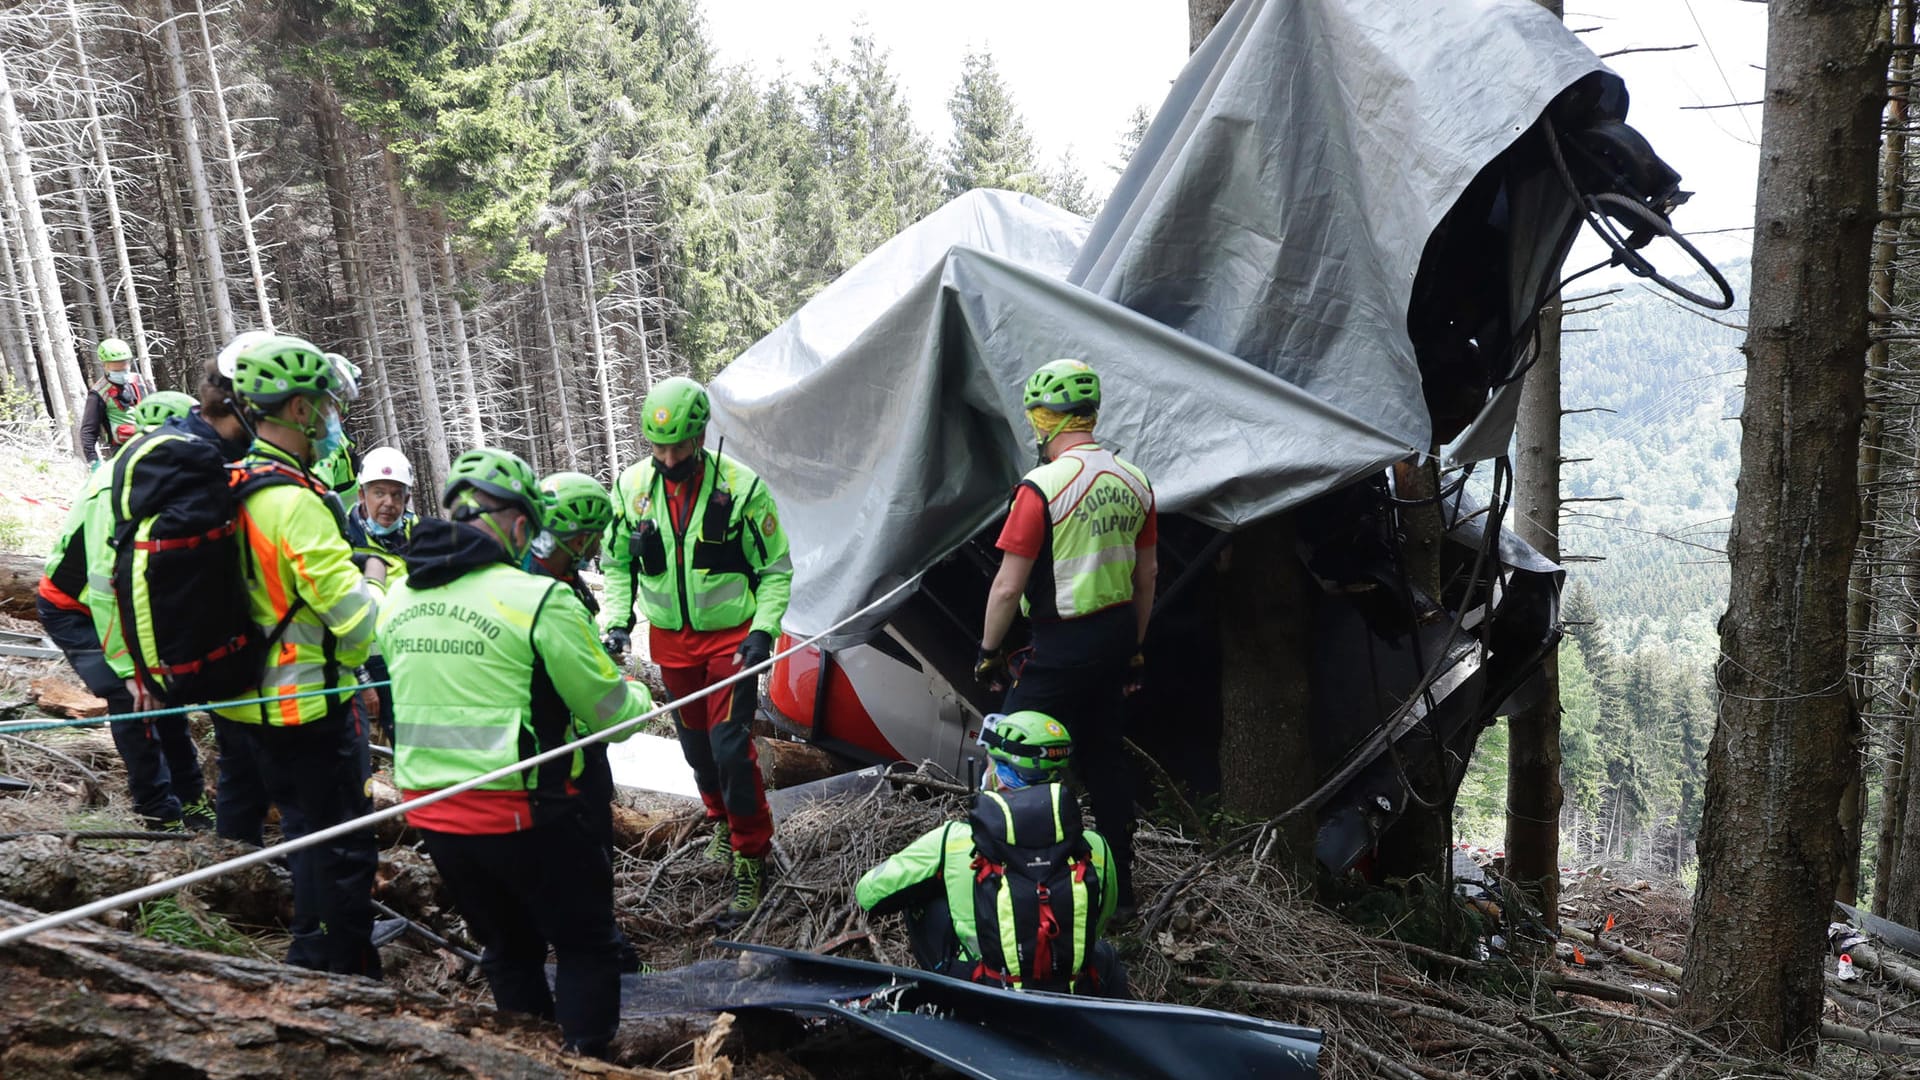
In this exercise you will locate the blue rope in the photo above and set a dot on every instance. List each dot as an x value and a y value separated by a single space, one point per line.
15 727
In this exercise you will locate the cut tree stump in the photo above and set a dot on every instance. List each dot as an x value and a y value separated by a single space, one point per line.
20 583
87 1002
785 763
62 695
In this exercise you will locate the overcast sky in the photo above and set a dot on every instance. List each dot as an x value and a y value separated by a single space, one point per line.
1078 67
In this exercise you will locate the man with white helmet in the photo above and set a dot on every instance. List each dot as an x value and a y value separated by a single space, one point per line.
381 527
380 523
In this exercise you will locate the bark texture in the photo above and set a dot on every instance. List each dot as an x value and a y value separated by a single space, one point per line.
1201 17
1771 846
1266 643
1534 794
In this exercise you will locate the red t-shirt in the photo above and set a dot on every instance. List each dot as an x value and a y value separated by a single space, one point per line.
1026 527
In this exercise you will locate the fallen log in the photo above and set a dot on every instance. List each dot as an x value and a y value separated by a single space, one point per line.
62 695
1625 952
19 584
52 873
1872 959
85 1002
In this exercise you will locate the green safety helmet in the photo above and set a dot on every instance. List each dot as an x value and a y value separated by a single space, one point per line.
575 504
1033 743
159 407
499 473
1064 386
275 369
675 410
114 351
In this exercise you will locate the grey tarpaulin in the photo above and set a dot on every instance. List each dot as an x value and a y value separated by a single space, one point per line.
984 1032
1265 238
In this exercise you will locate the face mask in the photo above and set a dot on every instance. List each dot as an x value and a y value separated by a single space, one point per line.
117 378
1006 779
678 473
374 528
331 439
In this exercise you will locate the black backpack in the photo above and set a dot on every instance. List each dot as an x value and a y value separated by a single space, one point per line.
1042 871
178 587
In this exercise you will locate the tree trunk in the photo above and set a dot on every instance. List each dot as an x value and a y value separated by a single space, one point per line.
1266 645
403 256
1770 849
233 168
90 247
64 382
109 191
1202 15
455 314
197 174
1534 795
1417 842
16 337
191 308
561 381
602 377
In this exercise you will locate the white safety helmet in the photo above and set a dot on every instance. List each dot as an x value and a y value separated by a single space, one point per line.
230 355
385 463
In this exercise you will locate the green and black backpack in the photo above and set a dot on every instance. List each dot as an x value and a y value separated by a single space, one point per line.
178 586
1036 892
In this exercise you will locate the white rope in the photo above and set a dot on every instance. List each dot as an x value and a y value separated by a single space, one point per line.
266 854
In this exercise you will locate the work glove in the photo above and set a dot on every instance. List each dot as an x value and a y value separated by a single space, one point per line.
1136 675
617 641
754 650
990 668
94 465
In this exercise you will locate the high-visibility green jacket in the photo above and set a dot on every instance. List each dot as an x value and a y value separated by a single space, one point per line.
295 558
492 665
727 563
1096 506
942 863
79 572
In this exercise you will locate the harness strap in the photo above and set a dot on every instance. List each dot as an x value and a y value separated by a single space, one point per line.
184 543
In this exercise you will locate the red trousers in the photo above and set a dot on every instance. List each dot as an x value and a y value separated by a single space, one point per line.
716 735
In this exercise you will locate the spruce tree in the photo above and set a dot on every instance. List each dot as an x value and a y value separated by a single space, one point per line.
990 146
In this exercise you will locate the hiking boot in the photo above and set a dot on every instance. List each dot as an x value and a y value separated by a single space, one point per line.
198 814
749 886
720 848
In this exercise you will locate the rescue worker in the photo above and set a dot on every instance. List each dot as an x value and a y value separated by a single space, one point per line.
381 527
306 755
1078 559
77 611
1018 896
577 511
696 545
380 522
107 414
492 665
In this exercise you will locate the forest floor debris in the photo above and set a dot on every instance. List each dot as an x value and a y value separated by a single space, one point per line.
1378 973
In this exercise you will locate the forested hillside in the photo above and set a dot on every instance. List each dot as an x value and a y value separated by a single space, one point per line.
1647 577
522 212
1668 449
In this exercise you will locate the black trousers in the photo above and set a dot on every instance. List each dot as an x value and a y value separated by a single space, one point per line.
163 764
317 775
521 892
1077 675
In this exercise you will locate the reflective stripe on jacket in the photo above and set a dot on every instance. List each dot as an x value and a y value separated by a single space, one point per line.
741 572
492 668
1096 506
294 554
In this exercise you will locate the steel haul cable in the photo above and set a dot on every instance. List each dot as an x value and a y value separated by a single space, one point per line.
25 930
